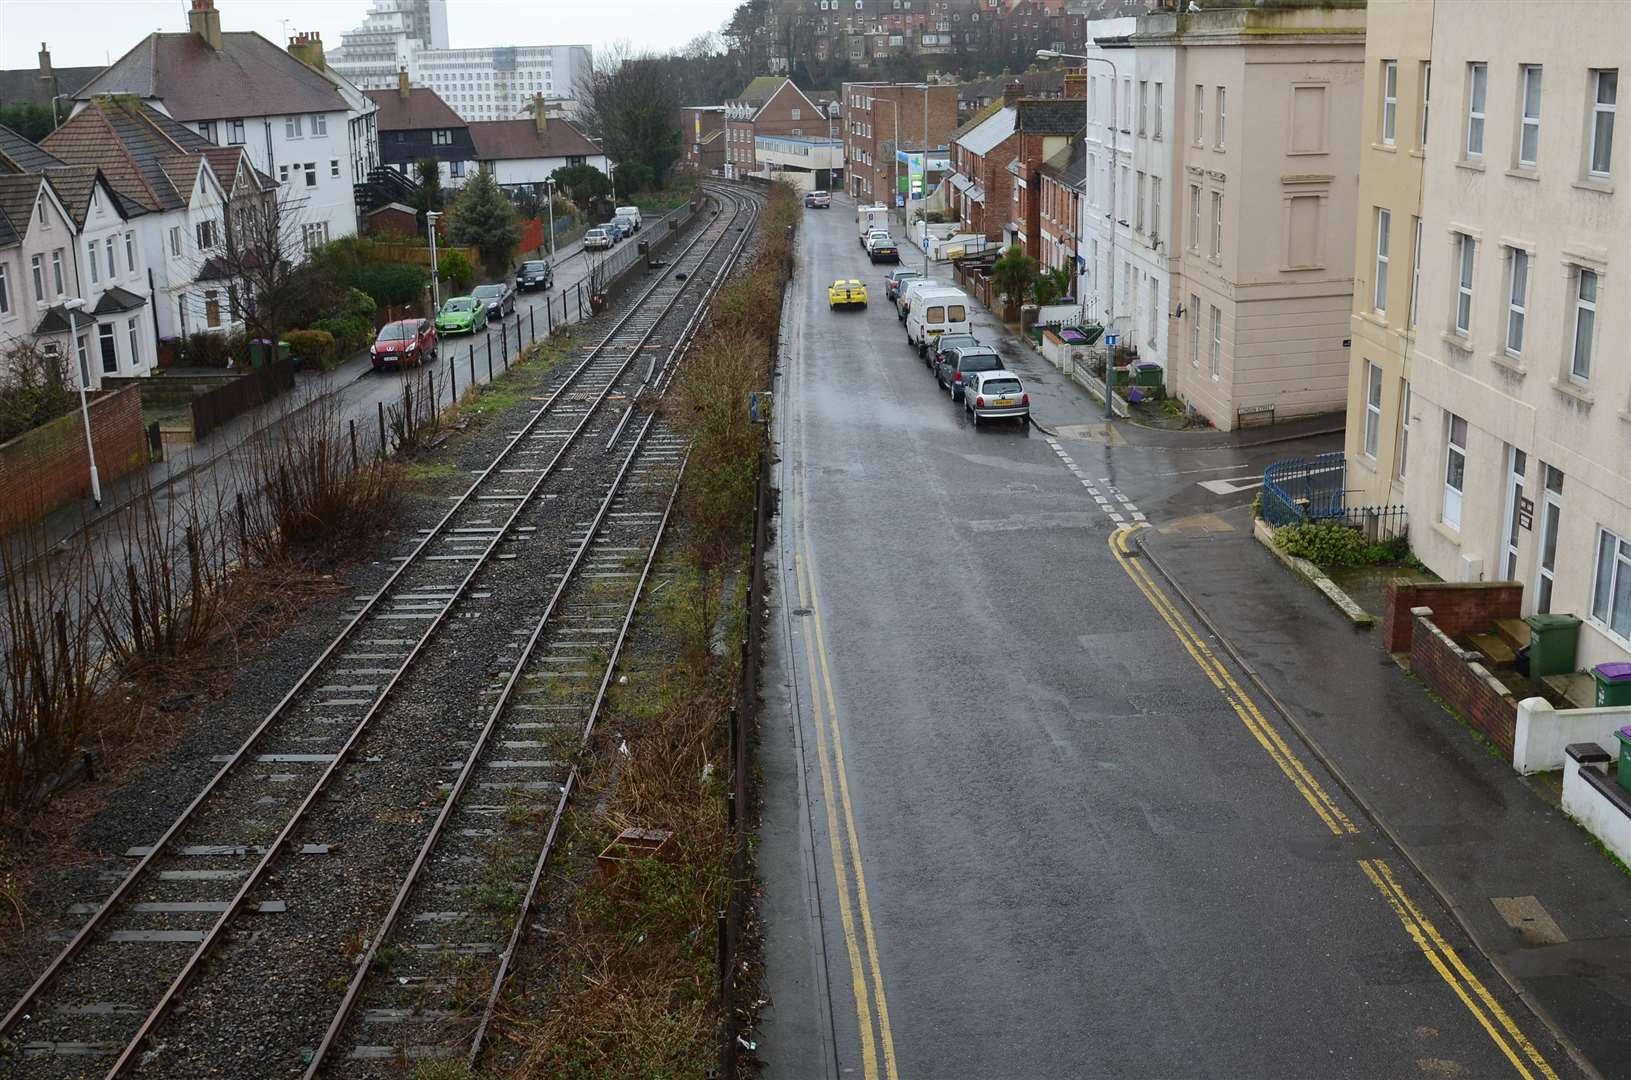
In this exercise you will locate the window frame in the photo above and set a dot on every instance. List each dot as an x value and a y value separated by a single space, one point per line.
294 127
1583 309
1401 448
1477 109
5 291
1200 114
1599 109
1194 330
135 342
1216 360
1517 300
1426 103
91 263
1220 121
1529 74
1466 266
1372 435
1217 226
130 252
1454 453
1157 94
1415 272
1195 218
1383 226
1619 561
107 348
1388 126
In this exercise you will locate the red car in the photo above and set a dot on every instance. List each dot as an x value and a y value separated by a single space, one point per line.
406 341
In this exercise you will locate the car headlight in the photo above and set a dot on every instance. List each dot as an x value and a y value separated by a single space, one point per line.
412 345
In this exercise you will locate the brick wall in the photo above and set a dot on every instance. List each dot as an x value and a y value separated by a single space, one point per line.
1459 608
47 467
1465 684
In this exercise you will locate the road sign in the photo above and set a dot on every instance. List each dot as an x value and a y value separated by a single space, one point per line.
1111 339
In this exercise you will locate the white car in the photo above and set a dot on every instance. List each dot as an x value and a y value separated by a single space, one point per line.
996 395
597 239
875 234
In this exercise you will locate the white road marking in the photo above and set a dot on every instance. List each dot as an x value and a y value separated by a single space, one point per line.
1103 502
1229 487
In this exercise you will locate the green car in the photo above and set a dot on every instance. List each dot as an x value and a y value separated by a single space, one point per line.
462 315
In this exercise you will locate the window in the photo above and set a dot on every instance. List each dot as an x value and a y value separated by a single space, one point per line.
130 252
1155 308
1384 222
1465 247
108 348
283 174
1415 270
441 137
1138 220
1127 104
1200 114
1155 208
334 168
56 270
319 124
235 132
1123 195
314 234
1217 341
1143 107
1194 330
1529 115
175 241
135 347
1426 100
1194 218
292 127
1605 90
206 128
5 292
1585 324
311 174
1402 451
1477 92
456 170
107 250
1455 469
1516 299
1217 224
1373 408
1611 584
212 308
1390 101
82 354
90 261
794 115
1157 117
1222 118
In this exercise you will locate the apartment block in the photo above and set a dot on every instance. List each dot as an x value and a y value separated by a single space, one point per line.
882 122
769 105
1516 432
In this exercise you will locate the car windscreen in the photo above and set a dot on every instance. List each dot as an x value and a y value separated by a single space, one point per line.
488 290
534 267
1000 387
457 305
955 341
396 332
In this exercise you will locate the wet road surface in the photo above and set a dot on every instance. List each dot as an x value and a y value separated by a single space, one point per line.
1021 818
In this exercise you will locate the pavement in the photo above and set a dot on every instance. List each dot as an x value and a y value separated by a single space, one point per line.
1026 816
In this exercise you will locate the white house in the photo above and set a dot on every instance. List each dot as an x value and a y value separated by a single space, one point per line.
525 152
240 90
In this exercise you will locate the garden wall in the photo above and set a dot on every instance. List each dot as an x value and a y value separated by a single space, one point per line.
1459 608
1465 684
47 467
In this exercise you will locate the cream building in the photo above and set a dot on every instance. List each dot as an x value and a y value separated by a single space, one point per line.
1518 427
1265 101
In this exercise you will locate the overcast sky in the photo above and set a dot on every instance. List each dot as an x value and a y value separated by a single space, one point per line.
92 32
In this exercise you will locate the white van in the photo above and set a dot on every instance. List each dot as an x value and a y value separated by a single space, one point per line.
908 292
629 212
935 312
868 218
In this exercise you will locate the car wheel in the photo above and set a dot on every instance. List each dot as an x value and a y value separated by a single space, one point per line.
974 417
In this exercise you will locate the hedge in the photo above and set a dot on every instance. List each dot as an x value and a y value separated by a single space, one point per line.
314 348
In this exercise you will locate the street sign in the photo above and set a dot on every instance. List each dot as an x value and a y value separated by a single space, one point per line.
1111 339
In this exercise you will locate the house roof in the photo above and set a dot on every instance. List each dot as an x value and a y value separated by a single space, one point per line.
1068 166
1050 117
512 140
115 300
246 76
760 90
990 132
18 193
25 84
59 320
423 109
142 153
74 185
17 154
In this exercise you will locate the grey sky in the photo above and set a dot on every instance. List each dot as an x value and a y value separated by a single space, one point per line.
88 32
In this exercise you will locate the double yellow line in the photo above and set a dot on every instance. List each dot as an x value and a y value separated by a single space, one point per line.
871 1005
1495 1020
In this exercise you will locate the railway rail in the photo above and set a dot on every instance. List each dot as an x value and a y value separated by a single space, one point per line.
262 857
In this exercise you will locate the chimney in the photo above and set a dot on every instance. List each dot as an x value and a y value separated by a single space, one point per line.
308 49
205 21
539 118
45 63
1013 91
402 83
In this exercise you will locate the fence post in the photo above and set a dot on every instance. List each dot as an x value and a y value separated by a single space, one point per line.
580 301
473 359
453 377
243 521
532 320
504 337
549 315
353 423
382 429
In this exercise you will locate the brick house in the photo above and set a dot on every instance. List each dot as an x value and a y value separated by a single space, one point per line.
1059 196
997 159
702 139
769 105
871 112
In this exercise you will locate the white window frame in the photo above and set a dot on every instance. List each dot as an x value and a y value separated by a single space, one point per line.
293 127
1602 121
130 252
1384 226
5 292
1194 330
175 241
1155 207
1221 121
1529 87
135 343
1455 471
1155 308
1217 225
310 169
107 250
235 132
1613 556
1138 213
1585 317
90 260
1426 101
1466 256
1389 127
1200 114
1143 106
1415 272
1217 342
1195 218
1373 408
1401 452
1477 104
1156 134
1551 513
56 272
107 348
1517 300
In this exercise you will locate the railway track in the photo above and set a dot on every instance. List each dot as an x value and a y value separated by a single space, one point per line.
272 880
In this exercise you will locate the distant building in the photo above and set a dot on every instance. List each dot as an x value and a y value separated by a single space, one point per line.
415 124
523 153
996 160
41 85
702 139
882 121
769 105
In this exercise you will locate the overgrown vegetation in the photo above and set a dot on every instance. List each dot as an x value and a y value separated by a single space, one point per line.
1330 543
35 388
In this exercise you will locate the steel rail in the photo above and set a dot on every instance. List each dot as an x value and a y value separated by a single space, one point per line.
354 989
252 880
88 929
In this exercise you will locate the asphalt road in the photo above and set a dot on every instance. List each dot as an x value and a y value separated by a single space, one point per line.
1021 820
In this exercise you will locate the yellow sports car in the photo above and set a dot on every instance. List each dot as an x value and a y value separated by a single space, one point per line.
846 291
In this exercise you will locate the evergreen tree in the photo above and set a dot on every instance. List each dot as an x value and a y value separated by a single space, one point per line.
484 219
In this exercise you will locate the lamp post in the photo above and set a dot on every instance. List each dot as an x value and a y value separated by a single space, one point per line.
1110 288
73 306
549 190
435 283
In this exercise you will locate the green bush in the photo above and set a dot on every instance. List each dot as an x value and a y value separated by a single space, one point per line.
360 305
1324 543
314 348
391 283
454 268
205 349
350 332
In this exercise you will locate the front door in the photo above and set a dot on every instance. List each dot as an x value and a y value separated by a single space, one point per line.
1517 464
1551 515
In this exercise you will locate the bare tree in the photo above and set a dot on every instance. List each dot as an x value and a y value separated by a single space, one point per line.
260 261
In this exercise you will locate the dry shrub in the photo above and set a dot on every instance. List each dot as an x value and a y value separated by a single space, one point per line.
418 418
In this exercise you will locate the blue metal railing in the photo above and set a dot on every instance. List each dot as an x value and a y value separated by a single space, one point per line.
1298 491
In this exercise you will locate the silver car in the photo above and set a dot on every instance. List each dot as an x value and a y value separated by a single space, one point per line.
996 395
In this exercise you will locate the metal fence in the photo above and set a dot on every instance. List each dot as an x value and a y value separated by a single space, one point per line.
1299 491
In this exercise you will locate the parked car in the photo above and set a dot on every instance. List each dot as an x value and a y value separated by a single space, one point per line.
534 274
996 395
896 279
598 239
957 365
935 312
499 298
406 341
632 213
871 235
846 292
462 315
883 249
629 225
819 200
945 343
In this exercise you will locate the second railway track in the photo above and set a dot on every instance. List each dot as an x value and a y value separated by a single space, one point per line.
225 949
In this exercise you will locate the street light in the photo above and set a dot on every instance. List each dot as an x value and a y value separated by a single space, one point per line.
435 284
1110 287
73 306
